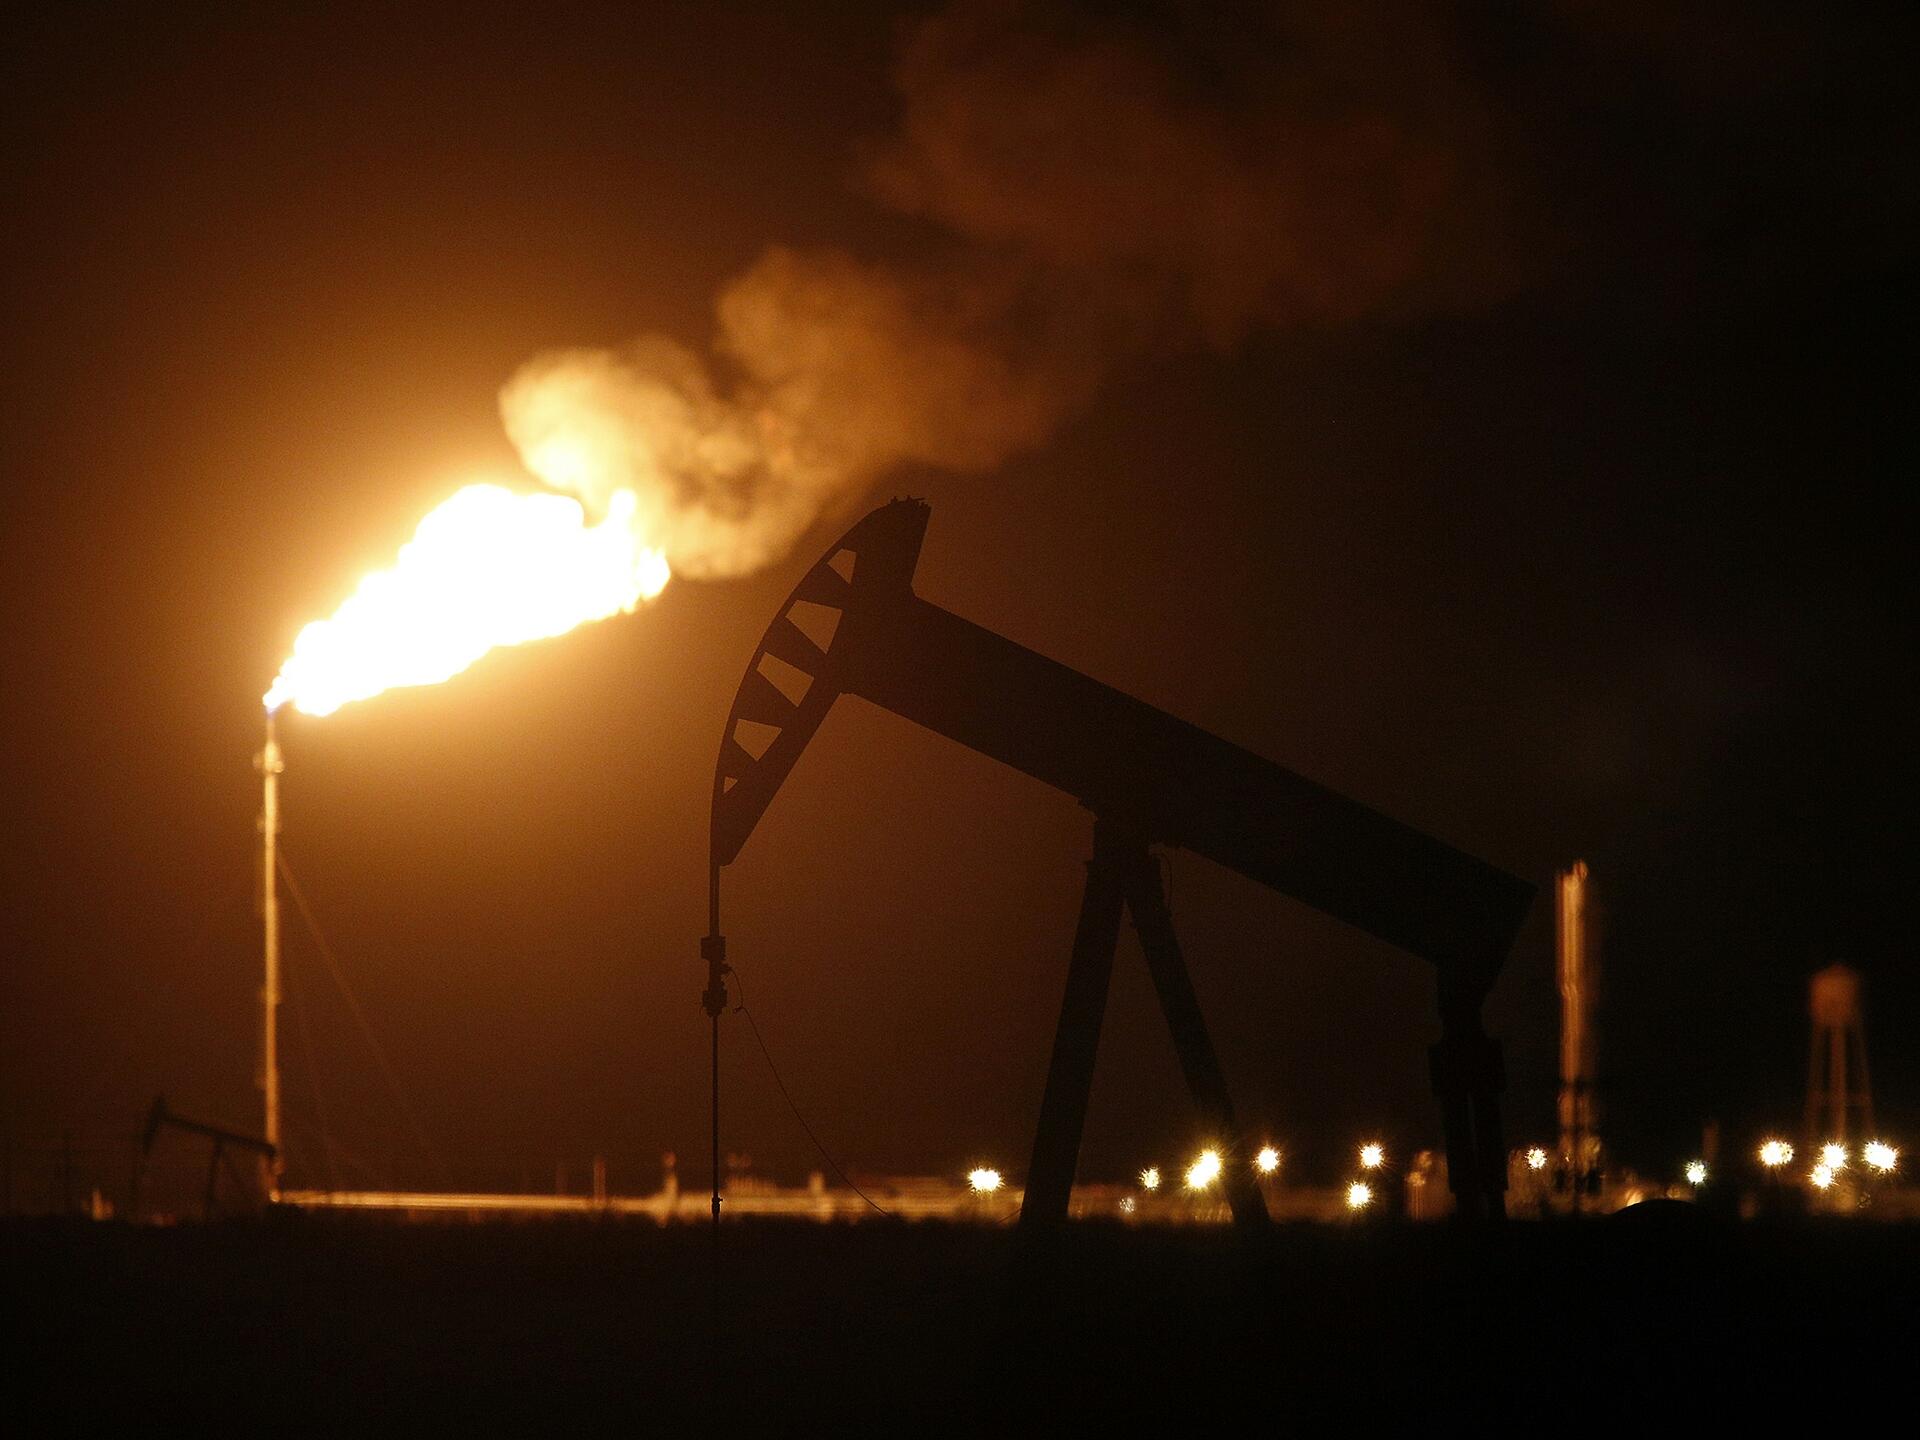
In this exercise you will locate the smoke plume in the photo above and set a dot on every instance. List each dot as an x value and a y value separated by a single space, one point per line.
1101 189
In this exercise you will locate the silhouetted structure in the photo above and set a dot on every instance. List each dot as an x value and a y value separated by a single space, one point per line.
854 626
1580 1162
159 1118
270 765
1839 1094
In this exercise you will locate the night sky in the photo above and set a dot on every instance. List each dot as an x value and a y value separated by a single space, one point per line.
1590 542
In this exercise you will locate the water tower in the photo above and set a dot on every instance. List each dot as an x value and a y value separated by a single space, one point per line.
1839 1098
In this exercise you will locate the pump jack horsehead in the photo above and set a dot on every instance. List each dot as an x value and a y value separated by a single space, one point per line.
1149 779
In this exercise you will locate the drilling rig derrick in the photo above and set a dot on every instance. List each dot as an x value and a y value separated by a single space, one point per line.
1149 779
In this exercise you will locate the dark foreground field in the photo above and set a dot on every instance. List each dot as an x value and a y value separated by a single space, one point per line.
336 1324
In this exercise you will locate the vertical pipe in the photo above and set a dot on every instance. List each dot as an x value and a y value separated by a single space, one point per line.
714 1115
713 949
1576 1047
270 768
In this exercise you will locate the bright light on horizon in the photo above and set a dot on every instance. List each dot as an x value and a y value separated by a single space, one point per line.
1775 1153
1536 1159
1372 1155
1150 1178
1267 1161
1880 1155
1822 1176
1696 1172
1359 1195
1833 1155
1204 1171
984 1181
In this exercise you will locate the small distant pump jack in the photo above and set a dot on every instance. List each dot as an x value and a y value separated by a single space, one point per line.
853 626
161 1117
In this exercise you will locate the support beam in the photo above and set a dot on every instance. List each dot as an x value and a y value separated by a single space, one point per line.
1063 1109
1147 903
1468 1076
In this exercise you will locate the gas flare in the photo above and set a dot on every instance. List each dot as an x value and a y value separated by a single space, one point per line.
487 567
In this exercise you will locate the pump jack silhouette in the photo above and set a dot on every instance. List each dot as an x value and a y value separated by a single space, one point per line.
1149 779
160 1116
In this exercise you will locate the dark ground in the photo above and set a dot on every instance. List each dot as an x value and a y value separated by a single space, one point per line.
344 1325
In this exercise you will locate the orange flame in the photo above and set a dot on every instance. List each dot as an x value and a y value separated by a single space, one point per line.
487 567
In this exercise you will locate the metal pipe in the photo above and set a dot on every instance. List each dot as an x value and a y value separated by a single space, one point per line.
1579 1140
270 767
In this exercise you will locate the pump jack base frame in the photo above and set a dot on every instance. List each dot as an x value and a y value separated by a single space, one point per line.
1124 873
